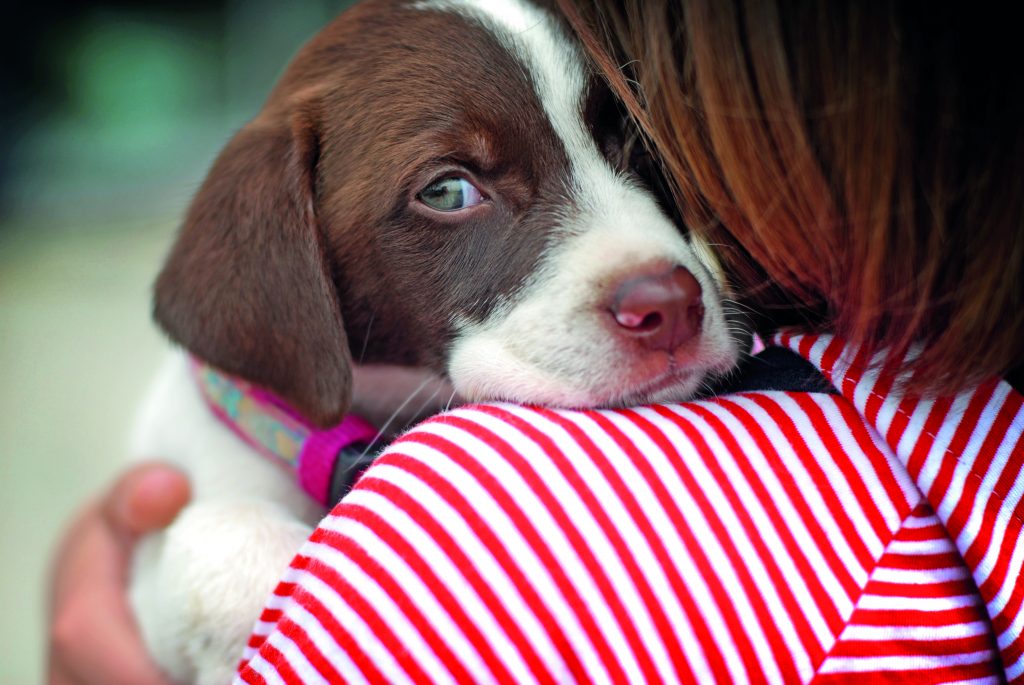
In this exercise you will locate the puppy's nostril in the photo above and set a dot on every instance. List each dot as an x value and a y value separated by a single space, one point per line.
662 311
651 321
638 322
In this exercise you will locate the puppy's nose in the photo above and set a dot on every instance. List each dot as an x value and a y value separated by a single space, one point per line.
663 311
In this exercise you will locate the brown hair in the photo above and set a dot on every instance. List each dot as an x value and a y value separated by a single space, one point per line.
866 158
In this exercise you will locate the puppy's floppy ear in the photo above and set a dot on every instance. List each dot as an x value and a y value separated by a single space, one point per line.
247 286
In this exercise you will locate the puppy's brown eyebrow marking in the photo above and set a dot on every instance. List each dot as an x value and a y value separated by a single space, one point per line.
482 151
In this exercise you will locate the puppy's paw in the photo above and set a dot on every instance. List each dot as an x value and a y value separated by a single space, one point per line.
199 586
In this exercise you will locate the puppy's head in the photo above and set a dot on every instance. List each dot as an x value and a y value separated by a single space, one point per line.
442 184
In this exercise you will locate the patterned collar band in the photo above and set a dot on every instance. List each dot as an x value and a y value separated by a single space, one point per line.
326 461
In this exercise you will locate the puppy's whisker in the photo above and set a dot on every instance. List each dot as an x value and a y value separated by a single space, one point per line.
366 338
376 439
382 431
426 402
448 404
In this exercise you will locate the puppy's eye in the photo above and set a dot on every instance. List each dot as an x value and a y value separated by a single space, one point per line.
451 195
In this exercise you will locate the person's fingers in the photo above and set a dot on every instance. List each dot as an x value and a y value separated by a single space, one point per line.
94 638
146 498
57 676
112 653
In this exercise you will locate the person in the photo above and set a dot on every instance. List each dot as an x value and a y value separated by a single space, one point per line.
861 158
93 638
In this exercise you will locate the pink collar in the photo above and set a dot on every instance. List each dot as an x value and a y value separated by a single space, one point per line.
326 461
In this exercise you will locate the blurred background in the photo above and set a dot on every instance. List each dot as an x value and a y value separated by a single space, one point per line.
110 113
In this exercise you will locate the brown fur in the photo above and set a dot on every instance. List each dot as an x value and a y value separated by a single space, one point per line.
305 247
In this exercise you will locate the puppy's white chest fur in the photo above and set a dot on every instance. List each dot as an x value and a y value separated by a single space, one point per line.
198 586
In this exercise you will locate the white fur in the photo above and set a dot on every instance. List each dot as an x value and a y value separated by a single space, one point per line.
198 586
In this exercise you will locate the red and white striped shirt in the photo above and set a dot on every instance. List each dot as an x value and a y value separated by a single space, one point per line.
754 537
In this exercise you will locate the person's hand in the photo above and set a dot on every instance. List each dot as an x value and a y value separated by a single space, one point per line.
93 636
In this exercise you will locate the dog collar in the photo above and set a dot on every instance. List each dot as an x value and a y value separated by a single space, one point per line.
326 462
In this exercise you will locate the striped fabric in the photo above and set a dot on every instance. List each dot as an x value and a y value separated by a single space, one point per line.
765 536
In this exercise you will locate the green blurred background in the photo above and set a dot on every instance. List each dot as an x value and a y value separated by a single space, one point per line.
110 113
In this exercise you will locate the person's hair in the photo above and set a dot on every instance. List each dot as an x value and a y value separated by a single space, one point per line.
867 157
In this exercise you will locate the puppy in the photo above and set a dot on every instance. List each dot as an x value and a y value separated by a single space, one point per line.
435 184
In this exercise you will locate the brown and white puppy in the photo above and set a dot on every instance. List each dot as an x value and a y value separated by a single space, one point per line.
437 184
